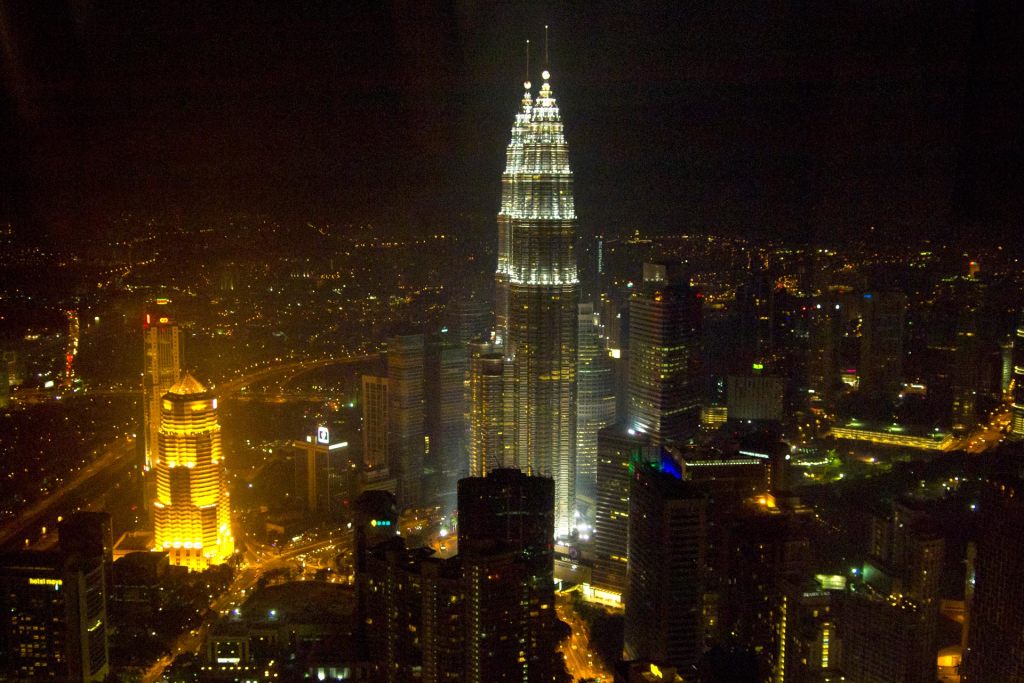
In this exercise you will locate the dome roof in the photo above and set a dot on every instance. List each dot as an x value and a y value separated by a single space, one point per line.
186 386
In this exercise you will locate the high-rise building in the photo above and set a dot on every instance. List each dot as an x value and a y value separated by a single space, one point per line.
664 355
995 621
890 619
53 617
405 359
881 350
322 469
506 534
486 615
666 569
755 397
446 366
595 406
376 422
486 413
537 242
161 368
1017 405
191 512
619 449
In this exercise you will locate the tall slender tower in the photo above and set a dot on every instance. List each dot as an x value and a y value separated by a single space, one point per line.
191 510
162 368
539 222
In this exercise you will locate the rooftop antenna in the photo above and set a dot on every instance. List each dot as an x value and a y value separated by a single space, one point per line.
527 60
546 46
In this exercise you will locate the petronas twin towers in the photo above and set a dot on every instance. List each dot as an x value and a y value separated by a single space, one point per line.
537 292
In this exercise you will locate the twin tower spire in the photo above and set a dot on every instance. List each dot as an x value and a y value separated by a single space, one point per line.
537 292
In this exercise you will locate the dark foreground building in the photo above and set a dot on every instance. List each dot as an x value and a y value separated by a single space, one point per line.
53 617
486 615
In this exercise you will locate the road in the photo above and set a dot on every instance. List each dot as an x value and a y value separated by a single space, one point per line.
989 434
112 463
259 561
580 659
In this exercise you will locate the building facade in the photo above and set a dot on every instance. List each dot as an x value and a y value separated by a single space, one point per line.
376 421
537 256
191 510
595 407
486 413
54 617
665 355
162 352
407 429
666 569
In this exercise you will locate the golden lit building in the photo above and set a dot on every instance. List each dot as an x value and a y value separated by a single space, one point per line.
191 511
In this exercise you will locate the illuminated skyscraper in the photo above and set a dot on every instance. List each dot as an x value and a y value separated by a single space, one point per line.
664 355
191 511
486 412
1017 408
537 237
162 368
375 421
595 406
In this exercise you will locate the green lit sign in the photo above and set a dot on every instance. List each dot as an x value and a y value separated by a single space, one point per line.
759 366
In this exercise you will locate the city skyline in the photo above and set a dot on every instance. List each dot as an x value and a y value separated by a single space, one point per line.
662 398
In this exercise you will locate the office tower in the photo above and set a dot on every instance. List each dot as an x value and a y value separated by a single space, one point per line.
618 452
486 413
376 421
90 535
595 406
54 617
161 368
664 355
191 510
406 416
445 392
994 651
665 574
881 350
539 221
322 471
1017 395
756 397
506 533
890 619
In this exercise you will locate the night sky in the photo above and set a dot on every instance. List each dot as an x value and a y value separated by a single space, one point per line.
802 119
